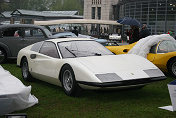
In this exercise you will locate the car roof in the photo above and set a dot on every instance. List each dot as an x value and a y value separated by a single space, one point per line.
69 39
63 33
19 25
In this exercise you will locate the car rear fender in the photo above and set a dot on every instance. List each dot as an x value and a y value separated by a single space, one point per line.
5 47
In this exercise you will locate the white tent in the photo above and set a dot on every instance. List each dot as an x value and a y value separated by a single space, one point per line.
13 94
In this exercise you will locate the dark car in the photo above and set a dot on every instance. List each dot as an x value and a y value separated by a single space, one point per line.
14 37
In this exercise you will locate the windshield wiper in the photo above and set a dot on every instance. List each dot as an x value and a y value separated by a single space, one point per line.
94 53
70 52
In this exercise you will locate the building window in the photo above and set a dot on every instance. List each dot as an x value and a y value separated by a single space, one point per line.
93 12
159 15
99 12
93 1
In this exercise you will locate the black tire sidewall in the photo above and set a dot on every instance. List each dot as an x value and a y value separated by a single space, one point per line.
29 77
75 87
170 67
5 56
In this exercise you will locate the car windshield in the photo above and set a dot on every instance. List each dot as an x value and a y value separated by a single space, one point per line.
73 49
167 46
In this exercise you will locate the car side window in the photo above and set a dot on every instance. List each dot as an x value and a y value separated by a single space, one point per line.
30 32
167 46
49 49
12 32
38 33
36 47
163 47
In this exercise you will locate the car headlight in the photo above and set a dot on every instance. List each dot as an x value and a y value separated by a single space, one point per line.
154 73
108 77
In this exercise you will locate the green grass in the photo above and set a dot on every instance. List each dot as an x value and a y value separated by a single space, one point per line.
141 103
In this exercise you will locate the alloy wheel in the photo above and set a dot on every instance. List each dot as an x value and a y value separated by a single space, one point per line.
174 68
67 80
25 69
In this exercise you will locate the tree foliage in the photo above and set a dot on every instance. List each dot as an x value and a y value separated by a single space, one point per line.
41 5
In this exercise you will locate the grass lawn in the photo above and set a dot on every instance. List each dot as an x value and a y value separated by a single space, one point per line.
141 103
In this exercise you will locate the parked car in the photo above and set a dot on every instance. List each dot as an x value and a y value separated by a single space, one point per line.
76 63
104 42
161 53
14 37
64 35
115 37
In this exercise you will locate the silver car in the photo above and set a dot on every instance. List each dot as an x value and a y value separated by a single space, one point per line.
14 37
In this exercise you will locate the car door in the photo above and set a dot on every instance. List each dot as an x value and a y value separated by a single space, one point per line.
33 35
152 54
161 59
13 39
44 65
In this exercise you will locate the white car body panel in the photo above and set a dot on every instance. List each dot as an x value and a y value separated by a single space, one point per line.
87 69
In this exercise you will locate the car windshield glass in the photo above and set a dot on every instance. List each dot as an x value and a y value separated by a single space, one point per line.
73 49
167 46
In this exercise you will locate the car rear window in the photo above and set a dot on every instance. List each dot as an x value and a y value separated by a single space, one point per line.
36 47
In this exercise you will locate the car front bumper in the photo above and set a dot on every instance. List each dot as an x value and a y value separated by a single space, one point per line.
133 82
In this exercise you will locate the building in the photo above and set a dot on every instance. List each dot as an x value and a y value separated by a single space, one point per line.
28 16
159 15
5 16
99 9
102 10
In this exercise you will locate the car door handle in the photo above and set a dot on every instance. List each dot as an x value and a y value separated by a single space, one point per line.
33 56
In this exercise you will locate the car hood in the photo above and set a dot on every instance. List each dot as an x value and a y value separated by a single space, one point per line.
126 66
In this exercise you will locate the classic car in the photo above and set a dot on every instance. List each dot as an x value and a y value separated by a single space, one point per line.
76 63
162 53
64 35
104 42
14 37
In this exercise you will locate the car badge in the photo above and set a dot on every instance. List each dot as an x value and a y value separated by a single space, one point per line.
132 73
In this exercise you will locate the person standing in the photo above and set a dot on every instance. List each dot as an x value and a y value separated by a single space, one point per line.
134 35
144 32
75 31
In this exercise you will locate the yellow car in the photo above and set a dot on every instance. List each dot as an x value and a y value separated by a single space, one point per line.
163 54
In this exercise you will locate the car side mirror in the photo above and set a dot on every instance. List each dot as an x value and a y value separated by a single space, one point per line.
126 50
33 56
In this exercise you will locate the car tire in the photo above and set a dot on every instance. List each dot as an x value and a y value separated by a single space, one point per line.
172 68
3 56
69 84
25 70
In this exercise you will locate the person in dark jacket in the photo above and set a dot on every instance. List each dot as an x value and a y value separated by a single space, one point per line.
144 32
134 35
75 31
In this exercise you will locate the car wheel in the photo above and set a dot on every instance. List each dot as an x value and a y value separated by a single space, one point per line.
3 56
69 84
172 68
25 70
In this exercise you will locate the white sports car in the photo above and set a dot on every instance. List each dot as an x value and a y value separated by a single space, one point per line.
76 63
